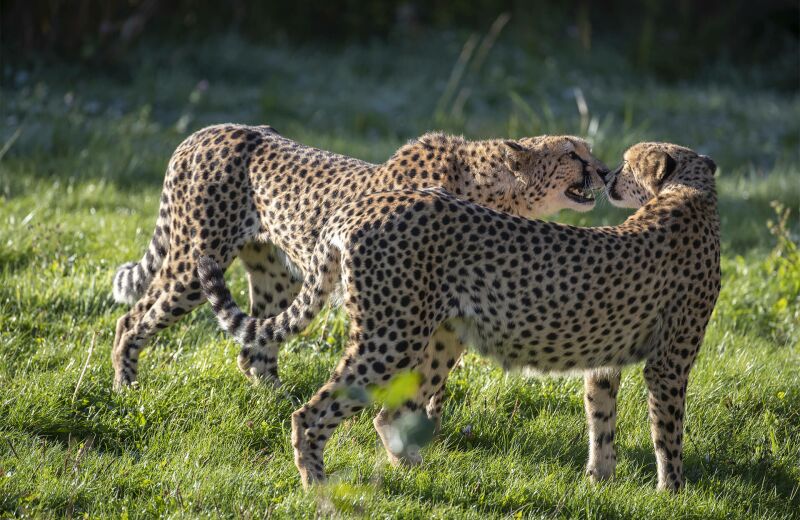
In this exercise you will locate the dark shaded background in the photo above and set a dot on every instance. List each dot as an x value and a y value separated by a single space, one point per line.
671 39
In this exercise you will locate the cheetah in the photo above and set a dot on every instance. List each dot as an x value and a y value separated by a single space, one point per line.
246 191
530 294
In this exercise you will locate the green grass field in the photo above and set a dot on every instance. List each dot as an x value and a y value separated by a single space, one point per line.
82 155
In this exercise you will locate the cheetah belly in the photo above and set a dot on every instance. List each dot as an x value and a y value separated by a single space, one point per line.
294 270
520 348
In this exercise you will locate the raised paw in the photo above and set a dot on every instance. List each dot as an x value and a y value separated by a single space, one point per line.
404 438
409 458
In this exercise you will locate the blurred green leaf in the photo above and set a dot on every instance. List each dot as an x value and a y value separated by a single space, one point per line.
401 388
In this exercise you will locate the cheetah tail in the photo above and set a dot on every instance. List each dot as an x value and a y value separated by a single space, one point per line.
248 330
133 278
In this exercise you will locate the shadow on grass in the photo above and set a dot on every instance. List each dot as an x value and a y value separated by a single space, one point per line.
548 448
572 454
65 431
699 471
16 260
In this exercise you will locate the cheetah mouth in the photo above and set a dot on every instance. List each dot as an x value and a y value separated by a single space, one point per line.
580 194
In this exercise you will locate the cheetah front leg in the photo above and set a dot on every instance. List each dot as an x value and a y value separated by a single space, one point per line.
272 289
600 400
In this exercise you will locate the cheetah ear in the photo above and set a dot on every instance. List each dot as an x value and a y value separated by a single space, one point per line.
709 162
514 145
666 167
517 155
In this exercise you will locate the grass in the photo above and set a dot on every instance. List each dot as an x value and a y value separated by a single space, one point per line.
81 161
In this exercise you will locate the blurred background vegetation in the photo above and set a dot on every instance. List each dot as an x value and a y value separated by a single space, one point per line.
673 39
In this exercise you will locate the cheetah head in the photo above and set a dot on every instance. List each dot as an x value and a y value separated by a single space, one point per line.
647 168
557 172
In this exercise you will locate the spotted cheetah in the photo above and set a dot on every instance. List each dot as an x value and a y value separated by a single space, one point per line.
531 294
246 191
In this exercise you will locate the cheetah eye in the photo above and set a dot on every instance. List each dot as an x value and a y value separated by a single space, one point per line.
573 155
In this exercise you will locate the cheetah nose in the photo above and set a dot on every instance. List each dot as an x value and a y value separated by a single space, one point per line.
603 173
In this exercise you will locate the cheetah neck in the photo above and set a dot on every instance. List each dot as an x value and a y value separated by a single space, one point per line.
677 199
470 170
694 186
478 174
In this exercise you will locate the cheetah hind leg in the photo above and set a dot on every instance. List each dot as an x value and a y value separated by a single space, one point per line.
163 304
410 427
272 289
666 385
